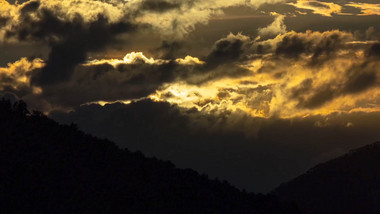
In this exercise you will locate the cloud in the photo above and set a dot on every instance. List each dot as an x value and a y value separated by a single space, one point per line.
72 29
70 40
170 49
137 76
169 17
133 77
374 50
294 74
159 6
275 28
367 9
189 60
16 77
12 98
318 7
341 66
229 49
314 44
177 19
67 11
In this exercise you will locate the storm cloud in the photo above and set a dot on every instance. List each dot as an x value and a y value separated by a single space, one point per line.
70 41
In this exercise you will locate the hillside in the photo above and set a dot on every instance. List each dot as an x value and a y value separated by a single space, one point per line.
51 168
349 184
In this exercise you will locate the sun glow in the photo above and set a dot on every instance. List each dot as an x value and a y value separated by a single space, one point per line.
103 102
134 56
289 89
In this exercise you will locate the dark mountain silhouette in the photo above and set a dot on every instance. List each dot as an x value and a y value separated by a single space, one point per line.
50 168
349 184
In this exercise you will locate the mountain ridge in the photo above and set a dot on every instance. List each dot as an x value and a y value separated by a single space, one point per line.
347 184
53 168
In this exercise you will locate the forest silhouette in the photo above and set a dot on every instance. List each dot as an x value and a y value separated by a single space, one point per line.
51 168
349 184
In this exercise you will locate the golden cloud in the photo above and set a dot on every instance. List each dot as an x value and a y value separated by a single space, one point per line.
169 18
182 19
318 7
18 74
136 57
288 84
276 27
366 8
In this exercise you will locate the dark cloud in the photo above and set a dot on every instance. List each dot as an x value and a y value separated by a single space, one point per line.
304 87
320 47
247 82
29 7
170 50
291 46
319 96
358 78
19 1
70 40
93 82
73 49
374 50
230 49
11 97
158 5
224 59
3 21
327 46
252 153
22 90
90 83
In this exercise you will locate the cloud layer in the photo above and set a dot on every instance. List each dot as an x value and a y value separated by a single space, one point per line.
290 75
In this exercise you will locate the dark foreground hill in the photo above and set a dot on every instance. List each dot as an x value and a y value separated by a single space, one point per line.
51 168
346 185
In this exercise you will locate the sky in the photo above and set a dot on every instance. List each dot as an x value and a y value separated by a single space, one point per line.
251 91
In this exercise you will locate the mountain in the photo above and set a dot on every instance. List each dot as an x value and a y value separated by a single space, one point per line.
349 184
51 168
